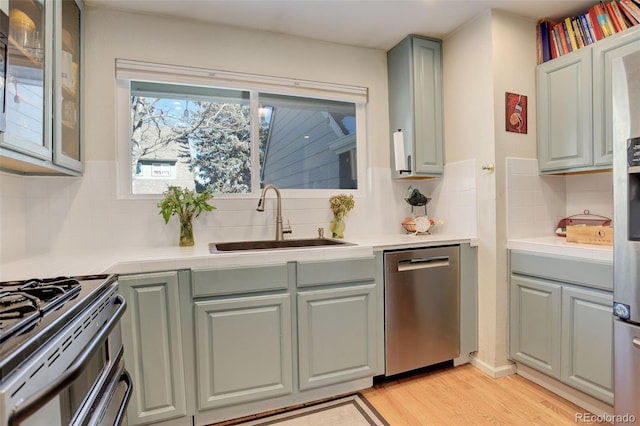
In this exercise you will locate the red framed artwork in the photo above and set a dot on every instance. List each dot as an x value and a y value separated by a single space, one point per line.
516 113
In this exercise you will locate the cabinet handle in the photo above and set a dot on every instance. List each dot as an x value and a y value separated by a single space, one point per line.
636 342
423 263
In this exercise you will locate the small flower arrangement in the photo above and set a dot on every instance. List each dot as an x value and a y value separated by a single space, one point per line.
340 206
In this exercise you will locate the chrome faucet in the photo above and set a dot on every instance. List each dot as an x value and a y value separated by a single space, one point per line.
279 228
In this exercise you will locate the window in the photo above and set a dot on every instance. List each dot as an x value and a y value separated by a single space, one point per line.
236 140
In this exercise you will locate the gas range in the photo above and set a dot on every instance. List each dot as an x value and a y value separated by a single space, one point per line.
33 310
61 359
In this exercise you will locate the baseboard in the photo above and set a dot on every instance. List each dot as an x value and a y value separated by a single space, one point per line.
490 370
462 359
582 400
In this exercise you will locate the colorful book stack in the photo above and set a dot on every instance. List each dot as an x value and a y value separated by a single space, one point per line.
602 20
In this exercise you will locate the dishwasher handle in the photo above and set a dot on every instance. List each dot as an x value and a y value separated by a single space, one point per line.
422 263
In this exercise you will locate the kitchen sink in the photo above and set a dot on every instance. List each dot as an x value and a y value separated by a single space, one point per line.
274 245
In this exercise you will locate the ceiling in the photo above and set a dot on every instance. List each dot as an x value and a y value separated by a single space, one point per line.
376 24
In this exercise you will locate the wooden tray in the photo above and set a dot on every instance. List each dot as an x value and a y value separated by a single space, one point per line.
602 235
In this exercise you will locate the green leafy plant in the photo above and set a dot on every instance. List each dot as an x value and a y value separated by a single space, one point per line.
186 204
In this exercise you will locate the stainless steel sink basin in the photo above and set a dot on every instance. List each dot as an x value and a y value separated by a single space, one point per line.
274 245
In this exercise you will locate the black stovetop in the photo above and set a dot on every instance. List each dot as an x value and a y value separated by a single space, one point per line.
31 312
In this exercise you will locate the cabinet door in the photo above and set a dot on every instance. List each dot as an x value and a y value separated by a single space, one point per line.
27 85
67 86
534 324
243 349
336 335
415 103
153 347
605 53
427 98
587 341
565 139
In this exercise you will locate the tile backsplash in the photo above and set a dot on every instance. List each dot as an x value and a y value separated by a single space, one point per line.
13 229
536 203
41 214
593 192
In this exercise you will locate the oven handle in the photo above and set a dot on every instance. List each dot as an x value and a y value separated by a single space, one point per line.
126 378
39 399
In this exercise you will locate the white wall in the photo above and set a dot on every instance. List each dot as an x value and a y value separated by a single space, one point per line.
469 134
485 58
514 64
44 214
111 34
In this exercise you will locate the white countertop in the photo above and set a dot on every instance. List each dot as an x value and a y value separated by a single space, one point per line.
150 259
559 246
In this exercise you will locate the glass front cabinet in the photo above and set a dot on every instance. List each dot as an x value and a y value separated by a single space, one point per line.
43 88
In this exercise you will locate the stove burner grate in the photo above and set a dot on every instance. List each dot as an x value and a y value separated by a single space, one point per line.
22 303
17 304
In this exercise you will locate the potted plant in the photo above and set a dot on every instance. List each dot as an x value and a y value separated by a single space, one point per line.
186 204
340 206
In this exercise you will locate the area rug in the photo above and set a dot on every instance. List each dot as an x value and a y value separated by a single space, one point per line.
352 410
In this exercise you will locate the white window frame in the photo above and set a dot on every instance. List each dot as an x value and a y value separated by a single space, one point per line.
129 70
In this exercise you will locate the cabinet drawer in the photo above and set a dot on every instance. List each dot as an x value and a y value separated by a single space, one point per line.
236 280
336 272
589 273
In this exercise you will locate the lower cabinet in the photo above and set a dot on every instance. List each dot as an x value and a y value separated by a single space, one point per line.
561 327
153 347
587 341
336 335
206 345
535 324
243 349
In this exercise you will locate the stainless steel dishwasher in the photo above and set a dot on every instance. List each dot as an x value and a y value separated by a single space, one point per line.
422 320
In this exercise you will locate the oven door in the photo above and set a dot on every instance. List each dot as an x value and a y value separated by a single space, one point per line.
94 390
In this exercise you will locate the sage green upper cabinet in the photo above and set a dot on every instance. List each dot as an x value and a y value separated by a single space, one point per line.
415 104
605 53
565 139
575 112
43 88
152 342
67 146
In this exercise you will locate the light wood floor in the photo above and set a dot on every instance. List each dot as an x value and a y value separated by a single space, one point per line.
466 396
